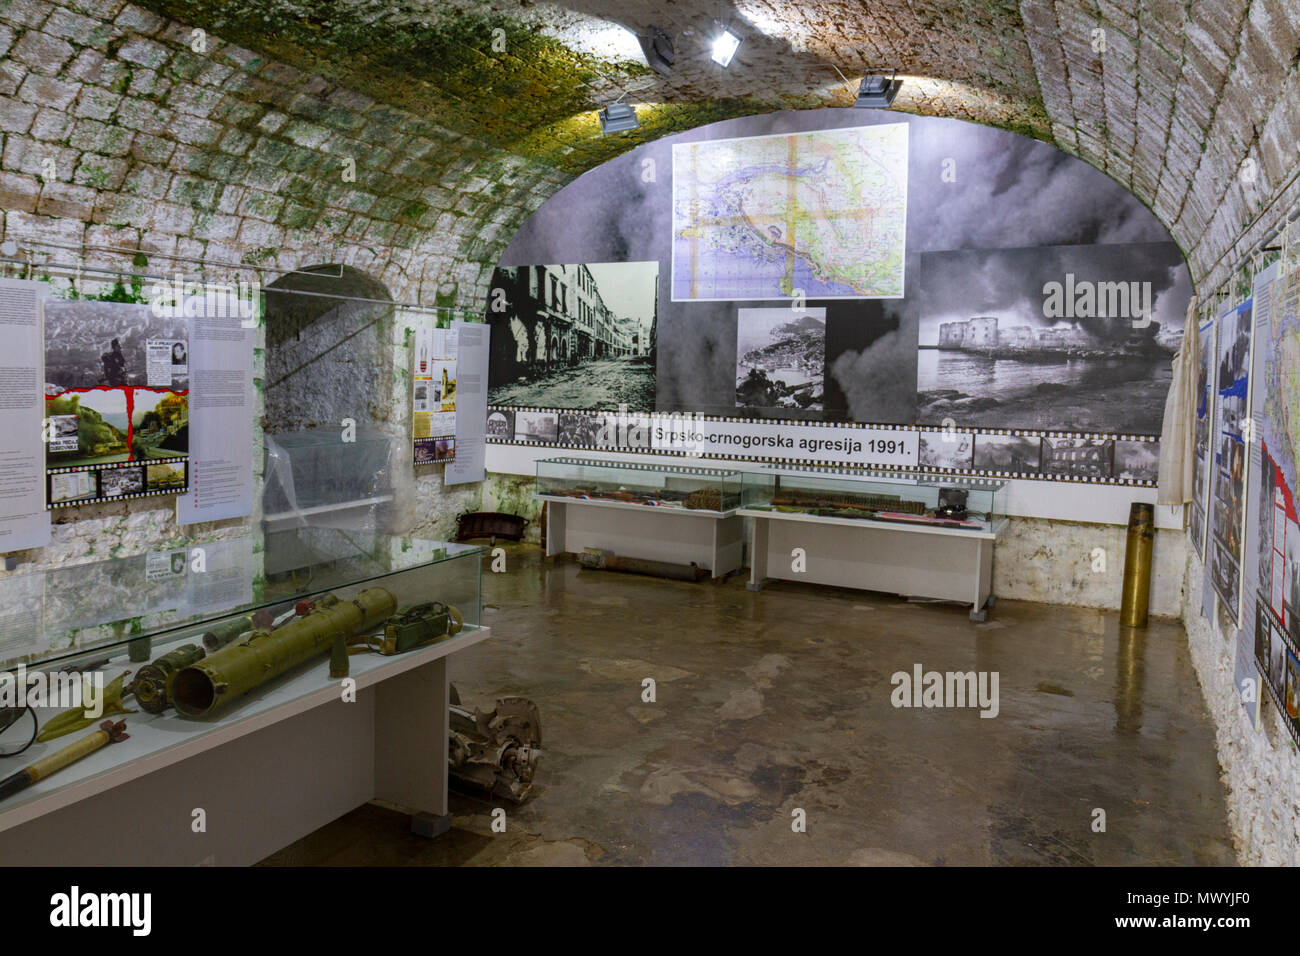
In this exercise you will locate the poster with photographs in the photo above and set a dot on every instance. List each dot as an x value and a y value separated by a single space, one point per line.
1060 338
1231 376
1274 529
116 394
1205 395
947 450
433 393
574 336
780 359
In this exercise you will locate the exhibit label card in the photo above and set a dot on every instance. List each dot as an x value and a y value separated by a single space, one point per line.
471 403
220 368
24 520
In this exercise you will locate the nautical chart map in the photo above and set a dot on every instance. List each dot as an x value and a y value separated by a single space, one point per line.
822 214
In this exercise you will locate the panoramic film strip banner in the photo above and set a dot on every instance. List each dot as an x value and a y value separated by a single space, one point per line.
118 481
1086 458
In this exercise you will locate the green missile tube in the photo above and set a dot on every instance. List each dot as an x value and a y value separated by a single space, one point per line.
225 675
152 684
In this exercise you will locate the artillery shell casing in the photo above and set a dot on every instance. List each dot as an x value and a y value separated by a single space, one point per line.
233 671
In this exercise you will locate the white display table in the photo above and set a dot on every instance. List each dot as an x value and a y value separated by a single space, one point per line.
283 761
915 560
711 539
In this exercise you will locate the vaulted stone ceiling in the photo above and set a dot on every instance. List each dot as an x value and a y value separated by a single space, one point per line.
1194 106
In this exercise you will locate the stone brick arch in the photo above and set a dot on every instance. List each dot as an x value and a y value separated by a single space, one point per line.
329 355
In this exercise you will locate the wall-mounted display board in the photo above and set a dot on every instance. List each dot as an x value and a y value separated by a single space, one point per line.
1205 396
1228 476
24 520
1276 392
117 392
820 214
1004 453
433 396
472 348
1033 336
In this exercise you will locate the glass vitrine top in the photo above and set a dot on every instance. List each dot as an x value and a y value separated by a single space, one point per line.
919 478
64 613
922 499
690 487
558 465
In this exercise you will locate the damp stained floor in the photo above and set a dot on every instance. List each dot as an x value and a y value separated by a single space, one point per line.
778 701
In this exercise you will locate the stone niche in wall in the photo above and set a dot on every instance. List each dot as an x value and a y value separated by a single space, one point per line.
334 452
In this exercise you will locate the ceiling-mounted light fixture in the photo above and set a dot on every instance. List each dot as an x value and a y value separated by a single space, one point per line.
618 118
659 53
725 45
878 89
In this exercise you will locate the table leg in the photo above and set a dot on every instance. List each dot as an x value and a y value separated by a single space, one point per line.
757 553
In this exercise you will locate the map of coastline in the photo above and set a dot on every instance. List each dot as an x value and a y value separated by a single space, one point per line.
769 217
1282 375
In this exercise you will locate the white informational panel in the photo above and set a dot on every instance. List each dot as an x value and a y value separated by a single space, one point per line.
221 413
1258 518
1205 396
1229 475
24 520
472 340
433 394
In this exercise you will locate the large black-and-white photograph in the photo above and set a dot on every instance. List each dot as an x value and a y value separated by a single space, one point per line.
950 450
1063 338
1078 457
780 359
574 336
1276 659
501 424
121 481
1137 460
90 344
537 426
579 428
1017 454
1012 192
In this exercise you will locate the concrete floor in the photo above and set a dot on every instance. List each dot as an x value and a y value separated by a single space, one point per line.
780 700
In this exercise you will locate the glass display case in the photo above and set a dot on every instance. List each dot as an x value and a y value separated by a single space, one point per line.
307 590
708 490
314 478
909 498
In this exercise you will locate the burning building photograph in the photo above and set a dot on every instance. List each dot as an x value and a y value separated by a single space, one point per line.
1067 338
574 336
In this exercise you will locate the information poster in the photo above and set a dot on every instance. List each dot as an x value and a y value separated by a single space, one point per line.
1258 504
1228 476
433 398
472 347
117 401
221 406
24 522
1205 395
1277 545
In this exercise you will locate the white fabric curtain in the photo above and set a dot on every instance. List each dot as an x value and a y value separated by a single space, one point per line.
1178 436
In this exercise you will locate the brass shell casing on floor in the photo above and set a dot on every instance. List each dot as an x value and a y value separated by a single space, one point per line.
1136 599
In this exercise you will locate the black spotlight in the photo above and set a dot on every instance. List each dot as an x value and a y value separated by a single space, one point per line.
658 50
878 89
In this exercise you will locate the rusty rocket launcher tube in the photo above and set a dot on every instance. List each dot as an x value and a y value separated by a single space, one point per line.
222 677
